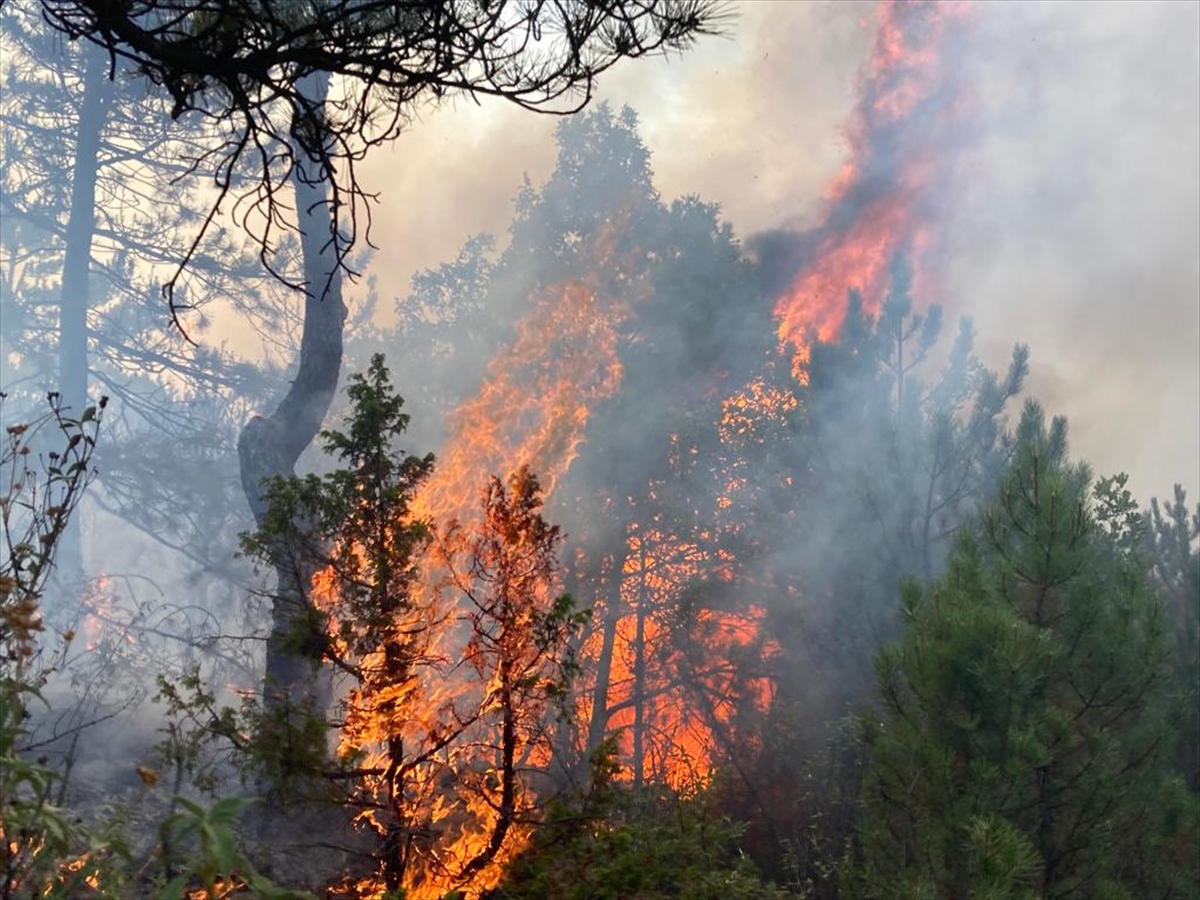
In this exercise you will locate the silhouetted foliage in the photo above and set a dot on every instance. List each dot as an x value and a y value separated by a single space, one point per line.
242 61
80 244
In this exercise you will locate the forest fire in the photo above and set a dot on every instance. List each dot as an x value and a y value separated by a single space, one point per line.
675 686
653 545
536 400
877 208
529 415
676 657
875 212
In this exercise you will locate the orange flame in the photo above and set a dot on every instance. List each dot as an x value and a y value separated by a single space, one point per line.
535 402
877 208
676 685
878 205
532 410
101 616
682 672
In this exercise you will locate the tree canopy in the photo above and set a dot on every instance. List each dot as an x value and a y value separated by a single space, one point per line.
252 65
1026 704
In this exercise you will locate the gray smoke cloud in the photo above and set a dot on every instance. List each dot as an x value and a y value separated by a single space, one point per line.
1076 221
1072 216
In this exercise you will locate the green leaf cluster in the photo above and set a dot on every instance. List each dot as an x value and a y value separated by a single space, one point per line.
217 862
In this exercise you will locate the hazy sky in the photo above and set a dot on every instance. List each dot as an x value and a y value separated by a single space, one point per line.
1073 212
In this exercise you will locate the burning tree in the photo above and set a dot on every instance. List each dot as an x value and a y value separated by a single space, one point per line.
518 647
264 71
884 457
642 484
448 672
613 290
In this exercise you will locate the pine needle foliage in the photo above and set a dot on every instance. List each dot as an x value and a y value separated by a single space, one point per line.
1019 749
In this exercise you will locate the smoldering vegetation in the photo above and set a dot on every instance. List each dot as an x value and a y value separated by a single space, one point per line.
747 511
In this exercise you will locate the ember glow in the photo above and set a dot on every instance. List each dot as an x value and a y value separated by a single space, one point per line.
878 206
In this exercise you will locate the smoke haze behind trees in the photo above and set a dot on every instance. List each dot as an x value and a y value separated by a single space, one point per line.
1071 208
740 545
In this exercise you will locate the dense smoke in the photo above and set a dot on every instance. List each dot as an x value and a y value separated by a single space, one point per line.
1076 126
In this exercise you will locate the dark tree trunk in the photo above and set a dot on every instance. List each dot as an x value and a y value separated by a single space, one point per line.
269 447
73 301
598 726
639 669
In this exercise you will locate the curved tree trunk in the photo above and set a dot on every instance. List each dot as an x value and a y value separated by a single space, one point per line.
269 447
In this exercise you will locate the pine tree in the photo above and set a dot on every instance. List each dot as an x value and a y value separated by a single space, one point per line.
1172 539
449 643
1023 724
894 443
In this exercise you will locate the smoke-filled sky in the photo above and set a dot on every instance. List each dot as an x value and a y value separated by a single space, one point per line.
1071 211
